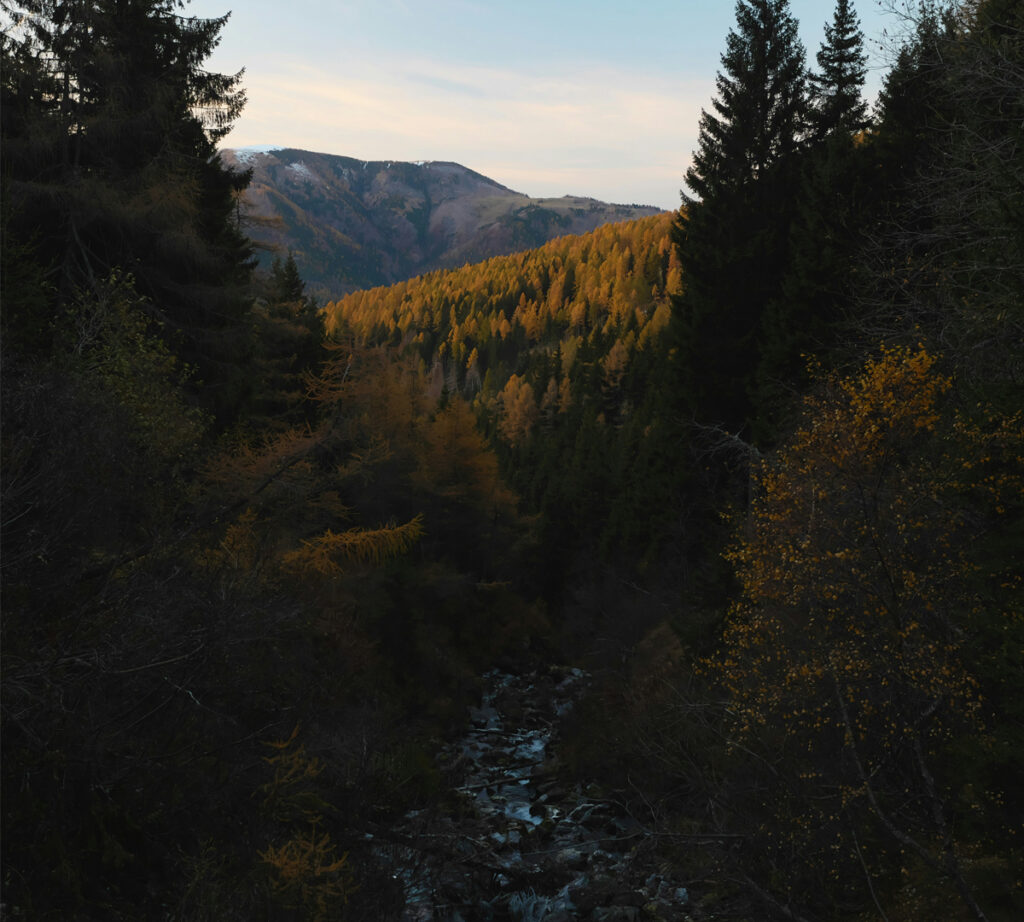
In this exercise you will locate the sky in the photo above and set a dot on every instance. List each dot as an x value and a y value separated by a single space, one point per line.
547 97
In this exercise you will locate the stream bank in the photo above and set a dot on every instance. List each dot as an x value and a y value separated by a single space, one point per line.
521 843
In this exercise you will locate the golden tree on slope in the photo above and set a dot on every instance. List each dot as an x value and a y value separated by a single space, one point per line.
455 461
519 410
306 872
850 660
326 553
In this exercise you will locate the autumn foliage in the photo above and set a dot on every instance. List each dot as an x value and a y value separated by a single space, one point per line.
558 351
257 555
854 659
477 326
306 872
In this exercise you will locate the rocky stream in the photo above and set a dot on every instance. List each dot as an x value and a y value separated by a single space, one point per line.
525 845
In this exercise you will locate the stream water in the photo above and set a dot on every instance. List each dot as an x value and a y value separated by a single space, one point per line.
524 845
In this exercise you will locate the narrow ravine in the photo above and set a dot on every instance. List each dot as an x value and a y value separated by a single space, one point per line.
523 844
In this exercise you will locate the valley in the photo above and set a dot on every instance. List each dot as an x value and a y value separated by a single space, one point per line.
381 544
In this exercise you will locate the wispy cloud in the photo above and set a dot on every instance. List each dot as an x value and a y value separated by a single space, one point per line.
447 86
493 120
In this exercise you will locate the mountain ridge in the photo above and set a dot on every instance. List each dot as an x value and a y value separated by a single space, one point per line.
353 224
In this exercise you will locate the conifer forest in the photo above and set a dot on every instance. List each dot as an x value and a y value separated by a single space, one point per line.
727 503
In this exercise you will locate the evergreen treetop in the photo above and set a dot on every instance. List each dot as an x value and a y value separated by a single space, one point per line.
286 284
758 115
836 90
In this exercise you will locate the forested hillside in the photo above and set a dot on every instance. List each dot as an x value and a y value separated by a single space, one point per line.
561 351
757 466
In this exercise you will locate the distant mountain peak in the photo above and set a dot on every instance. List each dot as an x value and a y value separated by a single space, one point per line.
362 223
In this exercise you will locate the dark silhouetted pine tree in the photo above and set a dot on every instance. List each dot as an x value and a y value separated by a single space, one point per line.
732 235
836 89
110 163
801 322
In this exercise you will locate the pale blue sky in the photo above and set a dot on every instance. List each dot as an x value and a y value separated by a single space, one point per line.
577 97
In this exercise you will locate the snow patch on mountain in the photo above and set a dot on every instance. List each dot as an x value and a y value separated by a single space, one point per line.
299 167
245 154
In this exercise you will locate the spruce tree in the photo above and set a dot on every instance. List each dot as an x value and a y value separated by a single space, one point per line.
289 334
820 285
757 117
830 206
836 90
732 234
285 282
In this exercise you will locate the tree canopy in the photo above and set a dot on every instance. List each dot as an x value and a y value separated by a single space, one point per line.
99 179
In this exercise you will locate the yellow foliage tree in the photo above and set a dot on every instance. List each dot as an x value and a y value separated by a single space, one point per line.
326 553
456 461
847 659
519 410
307 873
615 364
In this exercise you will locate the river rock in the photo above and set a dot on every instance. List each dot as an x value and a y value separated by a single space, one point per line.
526 845
616 914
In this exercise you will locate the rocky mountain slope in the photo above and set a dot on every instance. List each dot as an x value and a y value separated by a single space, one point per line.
355 224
